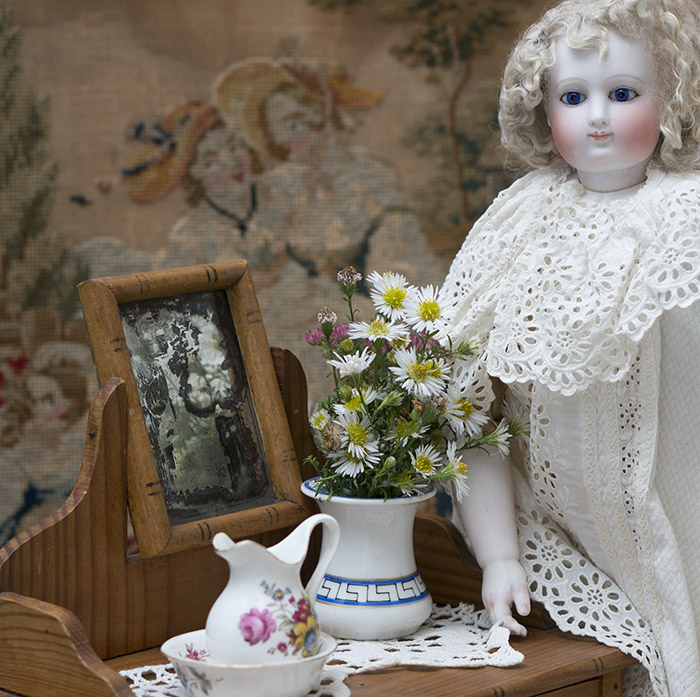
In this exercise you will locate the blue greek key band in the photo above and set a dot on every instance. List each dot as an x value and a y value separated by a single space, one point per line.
392 591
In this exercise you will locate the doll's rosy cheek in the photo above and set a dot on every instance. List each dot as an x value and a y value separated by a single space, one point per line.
566 133
641 131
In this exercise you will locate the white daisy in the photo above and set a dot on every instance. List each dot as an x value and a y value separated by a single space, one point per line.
389 292
423 311
319 419
406 484
425 460
499 438
423 378
354 363
357 436
378 328
405 430
360 397
462 416
455 462
518 422
347 464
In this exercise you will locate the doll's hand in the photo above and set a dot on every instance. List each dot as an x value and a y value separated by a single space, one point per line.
503 585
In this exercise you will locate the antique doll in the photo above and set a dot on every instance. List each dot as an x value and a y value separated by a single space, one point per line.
579 286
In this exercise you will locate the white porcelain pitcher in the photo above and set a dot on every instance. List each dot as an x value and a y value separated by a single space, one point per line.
265 614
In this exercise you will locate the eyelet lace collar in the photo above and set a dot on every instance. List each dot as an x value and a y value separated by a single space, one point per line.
558 284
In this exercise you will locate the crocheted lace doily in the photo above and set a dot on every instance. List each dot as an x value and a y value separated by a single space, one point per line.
452 637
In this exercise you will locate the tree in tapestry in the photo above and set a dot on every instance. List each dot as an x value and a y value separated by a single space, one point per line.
44 361
442 39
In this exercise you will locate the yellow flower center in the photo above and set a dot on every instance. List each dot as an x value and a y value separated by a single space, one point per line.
466 408
398 342
394 297
354 404
318 421
418 372
378 327
404 481
434 368
357 434
423 464
461 468
405 428
429 310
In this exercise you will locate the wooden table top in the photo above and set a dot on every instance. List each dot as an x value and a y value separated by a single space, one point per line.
553 660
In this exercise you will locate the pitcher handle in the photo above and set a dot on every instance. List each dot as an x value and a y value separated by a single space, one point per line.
331 535
293 548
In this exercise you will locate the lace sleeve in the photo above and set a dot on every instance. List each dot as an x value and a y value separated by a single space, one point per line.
474 283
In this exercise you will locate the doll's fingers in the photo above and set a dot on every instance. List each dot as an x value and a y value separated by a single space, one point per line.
513 626
521 600
500 612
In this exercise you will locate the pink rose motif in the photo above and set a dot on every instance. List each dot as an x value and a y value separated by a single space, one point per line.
257 626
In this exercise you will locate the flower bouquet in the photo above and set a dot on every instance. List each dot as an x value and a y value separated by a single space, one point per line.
394 423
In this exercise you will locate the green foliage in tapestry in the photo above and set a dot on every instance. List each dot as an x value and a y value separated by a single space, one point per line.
34 268
438 202
442 37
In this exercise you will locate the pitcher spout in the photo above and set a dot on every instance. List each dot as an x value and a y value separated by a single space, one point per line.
237 554
222 543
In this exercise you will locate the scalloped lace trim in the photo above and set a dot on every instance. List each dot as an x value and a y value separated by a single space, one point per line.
610 484
583 600
558 285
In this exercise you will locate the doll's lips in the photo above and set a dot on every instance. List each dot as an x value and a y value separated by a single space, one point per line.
599 136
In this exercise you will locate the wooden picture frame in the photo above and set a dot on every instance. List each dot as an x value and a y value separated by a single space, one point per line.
208 443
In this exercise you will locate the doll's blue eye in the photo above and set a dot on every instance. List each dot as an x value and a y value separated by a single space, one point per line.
572 98
623 94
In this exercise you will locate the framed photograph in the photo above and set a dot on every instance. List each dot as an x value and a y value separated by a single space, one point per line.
208 444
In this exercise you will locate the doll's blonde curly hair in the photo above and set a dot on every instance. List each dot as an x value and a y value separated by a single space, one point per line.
670 33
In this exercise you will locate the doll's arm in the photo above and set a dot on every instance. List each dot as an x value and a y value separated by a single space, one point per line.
488 515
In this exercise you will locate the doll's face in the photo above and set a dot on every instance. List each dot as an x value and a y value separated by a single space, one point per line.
221 161
603 113
294 122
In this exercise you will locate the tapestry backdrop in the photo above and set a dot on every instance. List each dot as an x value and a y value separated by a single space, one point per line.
301 135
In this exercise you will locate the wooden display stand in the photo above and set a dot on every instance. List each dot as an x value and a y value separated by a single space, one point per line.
75 609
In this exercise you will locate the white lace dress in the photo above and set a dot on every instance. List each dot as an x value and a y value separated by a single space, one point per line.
584 304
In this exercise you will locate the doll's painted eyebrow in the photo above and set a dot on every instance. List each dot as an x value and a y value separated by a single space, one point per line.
576 80
625 76
569 84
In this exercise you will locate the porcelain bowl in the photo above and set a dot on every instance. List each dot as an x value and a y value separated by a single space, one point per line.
187 653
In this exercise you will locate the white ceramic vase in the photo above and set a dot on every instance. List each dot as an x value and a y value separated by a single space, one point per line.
371 588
